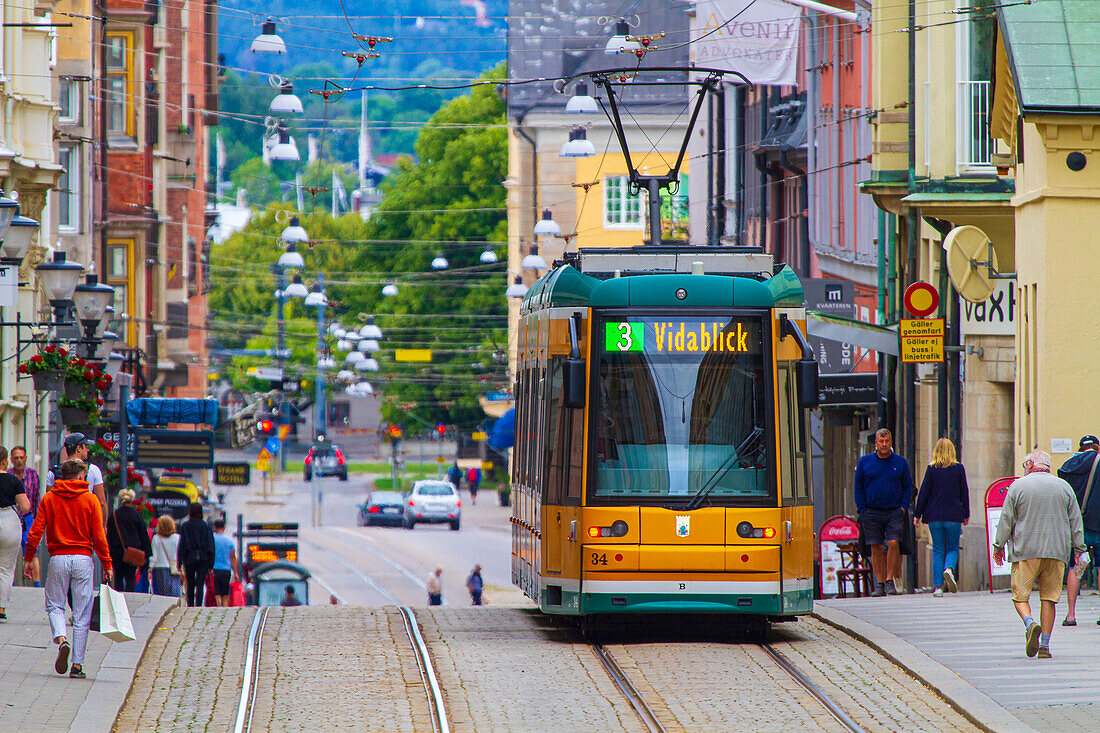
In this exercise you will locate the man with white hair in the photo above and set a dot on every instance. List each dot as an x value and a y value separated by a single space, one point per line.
1042 521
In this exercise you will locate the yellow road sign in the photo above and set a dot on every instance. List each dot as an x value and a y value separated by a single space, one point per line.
284 430
480 435
412 355
921 339
263 463
486 465
440 459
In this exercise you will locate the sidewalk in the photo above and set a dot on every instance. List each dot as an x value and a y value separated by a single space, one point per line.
38 699
969 647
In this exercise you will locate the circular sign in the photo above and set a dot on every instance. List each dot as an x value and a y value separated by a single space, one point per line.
921 299
681 293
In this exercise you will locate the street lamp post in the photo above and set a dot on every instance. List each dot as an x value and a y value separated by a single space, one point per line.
321 410
280 345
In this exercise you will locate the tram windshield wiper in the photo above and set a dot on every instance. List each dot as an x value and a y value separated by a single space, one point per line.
749 446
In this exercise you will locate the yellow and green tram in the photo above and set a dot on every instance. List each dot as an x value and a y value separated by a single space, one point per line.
661 460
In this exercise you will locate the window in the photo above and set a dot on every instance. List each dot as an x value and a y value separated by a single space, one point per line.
68 99
68 190
621 210
120 83
339 413
119 276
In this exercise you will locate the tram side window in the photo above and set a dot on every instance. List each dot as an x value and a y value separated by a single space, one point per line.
532 426
792 440
574 442
555 453
538 464
803 489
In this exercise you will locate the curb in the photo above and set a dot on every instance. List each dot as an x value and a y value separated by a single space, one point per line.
973 704
116 673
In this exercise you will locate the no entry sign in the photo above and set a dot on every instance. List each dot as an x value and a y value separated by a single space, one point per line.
921 299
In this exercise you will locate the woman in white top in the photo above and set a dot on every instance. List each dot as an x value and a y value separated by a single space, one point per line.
166 574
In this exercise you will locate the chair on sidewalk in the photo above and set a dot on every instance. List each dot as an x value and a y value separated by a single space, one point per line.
854 570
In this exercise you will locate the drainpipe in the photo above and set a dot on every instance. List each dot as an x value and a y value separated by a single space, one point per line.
803 215
909 372
720 167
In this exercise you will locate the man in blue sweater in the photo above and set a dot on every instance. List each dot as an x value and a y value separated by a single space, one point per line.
883 488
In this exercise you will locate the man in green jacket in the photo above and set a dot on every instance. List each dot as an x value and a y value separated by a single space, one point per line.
1042 520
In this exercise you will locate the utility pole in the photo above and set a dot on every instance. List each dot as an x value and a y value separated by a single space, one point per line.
280 346
320 408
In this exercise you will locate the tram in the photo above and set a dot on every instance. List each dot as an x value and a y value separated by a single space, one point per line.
661 461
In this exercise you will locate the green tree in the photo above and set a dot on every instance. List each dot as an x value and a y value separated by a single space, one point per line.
260 183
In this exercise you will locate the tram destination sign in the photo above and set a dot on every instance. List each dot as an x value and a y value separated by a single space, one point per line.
683 336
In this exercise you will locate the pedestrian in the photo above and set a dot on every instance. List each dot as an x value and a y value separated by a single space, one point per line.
1080 471
473 479
195 553
475 584
454 475
883 490
943 503
289 599
435 588
225 563
1041 519
128 540
13 502
165 568
33 485
72 521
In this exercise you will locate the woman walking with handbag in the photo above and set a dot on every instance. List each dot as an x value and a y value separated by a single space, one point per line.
944 504
166 573
128 540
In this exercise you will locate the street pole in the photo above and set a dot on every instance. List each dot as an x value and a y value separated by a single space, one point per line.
280 345
320 409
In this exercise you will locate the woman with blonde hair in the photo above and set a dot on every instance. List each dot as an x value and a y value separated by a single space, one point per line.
128 540
166 573
944 504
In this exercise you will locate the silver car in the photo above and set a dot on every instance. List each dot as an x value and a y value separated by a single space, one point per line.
434 502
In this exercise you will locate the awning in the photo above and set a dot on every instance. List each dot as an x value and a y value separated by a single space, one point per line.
850 331
503 434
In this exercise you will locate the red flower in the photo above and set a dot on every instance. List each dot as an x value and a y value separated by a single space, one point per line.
108 378
22 368
88 376
98 402
101 385
49 349
62 351
36 359
78 362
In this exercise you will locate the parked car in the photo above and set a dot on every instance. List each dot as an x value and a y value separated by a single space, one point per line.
433 502
326 459
382 507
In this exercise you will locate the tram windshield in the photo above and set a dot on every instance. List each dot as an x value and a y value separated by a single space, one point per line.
681 409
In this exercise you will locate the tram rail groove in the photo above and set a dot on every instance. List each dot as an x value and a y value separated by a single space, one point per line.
427 671
834 710
249 681
641 707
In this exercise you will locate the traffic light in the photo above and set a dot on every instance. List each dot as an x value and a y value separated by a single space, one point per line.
265 426
395 432
441 429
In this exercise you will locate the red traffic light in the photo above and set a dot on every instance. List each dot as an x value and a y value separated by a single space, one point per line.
266 426
395 431
441 428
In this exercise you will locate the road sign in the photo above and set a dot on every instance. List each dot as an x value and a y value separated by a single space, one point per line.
412 355
440 459
284 430
921 299
155 448
921 339
232 474
263 461
272 445
480 435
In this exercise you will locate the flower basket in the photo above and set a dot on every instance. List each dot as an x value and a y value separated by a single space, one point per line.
76 390
73 416
48 380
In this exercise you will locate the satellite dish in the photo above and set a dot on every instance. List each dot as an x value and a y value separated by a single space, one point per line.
971 262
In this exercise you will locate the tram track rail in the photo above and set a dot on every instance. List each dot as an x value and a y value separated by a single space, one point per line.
250 679
427 672
811 689
622 681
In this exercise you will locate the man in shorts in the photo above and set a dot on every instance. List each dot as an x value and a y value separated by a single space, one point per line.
883 489
1042 520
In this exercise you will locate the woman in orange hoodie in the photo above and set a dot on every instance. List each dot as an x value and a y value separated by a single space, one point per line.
70 516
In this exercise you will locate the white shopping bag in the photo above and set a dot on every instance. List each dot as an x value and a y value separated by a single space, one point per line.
114 617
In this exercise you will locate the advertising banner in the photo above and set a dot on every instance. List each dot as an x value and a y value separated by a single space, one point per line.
835 532
757 38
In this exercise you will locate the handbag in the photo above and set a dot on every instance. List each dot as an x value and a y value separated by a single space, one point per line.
114 616
1088 486
130 555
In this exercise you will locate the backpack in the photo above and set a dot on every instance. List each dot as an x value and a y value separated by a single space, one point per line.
471 475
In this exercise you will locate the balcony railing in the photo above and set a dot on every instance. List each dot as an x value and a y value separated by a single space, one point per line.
975 145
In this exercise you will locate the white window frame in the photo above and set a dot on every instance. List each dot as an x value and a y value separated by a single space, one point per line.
71 94
619 186
72 170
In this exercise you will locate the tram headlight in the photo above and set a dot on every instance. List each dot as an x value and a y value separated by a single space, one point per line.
746 530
